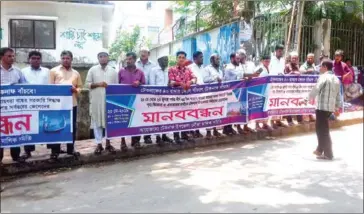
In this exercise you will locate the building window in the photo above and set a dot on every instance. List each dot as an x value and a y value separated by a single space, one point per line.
149 5
37 34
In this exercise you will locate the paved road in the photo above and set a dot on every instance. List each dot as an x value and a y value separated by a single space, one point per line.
267 176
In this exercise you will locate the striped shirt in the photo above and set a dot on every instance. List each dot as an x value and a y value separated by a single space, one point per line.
11 76
327 91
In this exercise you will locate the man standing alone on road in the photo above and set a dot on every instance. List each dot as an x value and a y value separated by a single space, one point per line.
98 78
64 74
34 74
327 92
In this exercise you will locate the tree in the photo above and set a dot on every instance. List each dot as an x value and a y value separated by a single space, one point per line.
190 20
127 42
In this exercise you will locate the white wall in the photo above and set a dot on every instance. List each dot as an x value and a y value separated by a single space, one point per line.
128 14
71 19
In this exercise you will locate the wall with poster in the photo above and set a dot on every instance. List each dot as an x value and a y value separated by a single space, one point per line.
222 40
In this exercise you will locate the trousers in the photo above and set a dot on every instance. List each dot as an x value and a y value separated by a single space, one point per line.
323 133
56 148
14 152
98 133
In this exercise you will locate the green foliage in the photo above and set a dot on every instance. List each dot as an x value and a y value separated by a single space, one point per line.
221 11
127 42
172 61
190 20
337 11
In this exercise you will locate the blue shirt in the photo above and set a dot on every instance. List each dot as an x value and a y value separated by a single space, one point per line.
36 76
158 77
11 76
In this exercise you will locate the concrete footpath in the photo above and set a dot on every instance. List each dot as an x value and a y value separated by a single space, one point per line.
40 160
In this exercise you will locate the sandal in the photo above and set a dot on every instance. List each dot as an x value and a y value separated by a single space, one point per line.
136 145
216 134
110 149
208 135
123 147
54 156
98 150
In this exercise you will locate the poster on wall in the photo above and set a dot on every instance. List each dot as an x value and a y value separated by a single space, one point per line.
35 114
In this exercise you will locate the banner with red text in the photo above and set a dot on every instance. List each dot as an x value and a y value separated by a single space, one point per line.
35 114
151 109
279 96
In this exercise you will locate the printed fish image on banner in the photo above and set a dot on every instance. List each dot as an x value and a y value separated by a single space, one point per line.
54 121
53 124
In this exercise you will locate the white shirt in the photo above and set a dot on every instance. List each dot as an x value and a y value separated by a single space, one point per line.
146 68
36 76
247 68
265 71
232 73
197 71
158 77
276 65
210 74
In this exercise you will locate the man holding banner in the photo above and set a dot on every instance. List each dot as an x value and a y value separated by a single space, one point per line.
131 75
181 76
247 69
98 78
159 76
232 73
213 74
263 70
64 74
34 74
10 75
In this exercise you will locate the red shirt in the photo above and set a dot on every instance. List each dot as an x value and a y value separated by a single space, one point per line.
180 74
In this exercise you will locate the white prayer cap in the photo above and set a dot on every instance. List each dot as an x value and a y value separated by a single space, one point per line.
242 51
144 49
103 51
293 53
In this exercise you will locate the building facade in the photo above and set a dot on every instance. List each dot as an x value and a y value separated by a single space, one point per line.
148 15
52 27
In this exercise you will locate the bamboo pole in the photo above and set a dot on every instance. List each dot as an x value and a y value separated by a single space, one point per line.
300 26
290 28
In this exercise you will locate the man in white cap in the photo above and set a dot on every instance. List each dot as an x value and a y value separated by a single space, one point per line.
247 69
98 78
145 65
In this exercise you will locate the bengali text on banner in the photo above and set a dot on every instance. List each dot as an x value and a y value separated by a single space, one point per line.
35 114
152 109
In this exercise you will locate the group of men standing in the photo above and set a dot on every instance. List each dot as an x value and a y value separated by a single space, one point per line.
141 71
36 74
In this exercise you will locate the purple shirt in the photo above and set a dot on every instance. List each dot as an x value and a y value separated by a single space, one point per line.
128 76
340 69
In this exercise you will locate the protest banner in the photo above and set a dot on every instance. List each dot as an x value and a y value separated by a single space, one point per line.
35 114
152 109
279 96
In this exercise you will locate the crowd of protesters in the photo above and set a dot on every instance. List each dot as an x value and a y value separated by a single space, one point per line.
141 71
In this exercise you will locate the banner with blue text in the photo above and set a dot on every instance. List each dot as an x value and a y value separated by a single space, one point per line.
151 109
35 114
